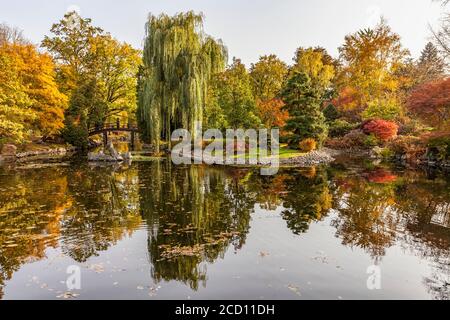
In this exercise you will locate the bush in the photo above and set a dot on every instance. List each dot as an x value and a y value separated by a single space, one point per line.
382 129
331 113
411 147
371 141
354 139
308 145
386 109
76 135
439 144
340 128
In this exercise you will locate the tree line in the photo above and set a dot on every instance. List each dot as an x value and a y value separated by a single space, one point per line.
80 77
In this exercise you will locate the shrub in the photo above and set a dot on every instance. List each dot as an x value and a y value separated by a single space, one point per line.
76 135
387 109
331 113
308 145
371 141
411 147
353 139
340 128
382 129
439 143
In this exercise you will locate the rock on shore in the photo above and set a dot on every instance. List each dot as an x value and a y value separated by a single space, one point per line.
313 158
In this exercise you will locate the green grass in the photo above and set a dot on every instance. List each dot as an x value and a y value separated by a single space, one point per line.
285 153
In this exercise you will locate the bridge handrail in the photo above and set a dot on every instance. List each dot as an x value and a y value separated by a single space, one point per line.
114 126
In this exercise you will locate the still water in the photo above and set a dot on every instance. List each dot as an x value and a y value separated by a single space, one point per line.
155 231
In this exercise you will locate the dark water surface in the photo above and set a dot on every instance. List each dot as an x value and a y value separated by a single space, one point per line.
155 231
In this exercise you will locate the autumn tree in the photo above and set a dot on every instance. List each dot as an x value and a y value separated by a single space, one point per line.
30 100
85 54
370 60
319 66
272 113
268 76
431 102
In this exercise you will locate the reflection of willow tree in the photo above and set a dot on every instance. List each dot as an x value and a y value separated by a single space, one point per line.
105 208
367 217
425 206
194 214
307 198
30 212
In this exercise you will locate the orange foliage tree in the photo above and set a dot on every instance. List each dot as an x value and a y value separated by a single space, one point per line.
35 71
431 102
272 114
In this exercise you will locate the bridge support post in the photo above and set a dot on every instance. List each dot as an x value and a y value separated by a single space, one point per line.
105 139
133 138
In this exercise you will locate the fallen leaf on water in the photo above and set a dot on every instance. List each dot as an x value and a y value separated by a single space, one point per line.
98 268
294 289
68 295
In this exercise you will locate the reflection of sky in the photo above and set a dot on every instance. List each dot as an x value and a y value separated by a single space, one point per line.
248 28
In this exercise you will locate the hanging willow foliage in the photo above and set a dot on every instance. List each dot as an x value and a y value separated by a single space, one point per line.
179 61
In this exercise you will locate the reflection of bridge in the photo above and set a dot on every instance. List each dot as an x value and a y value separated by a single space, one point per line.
117 127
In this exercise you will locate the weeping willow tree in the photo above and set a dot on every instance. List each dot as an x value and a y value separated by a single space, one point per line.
179 61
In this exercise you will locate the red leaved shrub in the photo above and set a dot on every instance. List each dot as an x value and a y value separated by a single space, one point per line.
382 129
381 176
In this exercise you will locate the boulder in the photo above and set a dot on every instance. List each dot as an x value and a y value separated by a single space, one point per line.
109 154
9 151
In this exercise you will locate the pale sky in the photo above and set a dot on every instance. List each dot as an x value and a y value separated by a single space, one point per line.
249 28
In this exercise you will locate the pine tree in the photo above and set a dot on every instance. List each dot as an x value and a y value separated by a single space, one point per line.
303 102
431 65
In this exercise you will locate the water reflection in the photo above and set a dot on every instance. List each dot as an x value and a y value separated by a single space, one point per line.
195 215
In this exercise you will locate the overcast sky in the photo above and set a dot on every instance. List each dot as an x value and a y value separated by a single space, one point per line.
249 28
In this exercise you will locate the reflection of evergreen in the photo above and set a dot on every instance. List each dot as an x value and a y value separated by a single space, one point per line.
200 211
307 198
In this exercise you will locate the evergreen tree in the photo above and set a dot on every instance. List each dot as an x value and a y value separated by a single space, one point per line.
430 65
303 101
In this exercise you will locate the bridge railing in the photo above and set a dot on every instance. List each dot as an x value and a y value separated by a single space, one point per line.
113 126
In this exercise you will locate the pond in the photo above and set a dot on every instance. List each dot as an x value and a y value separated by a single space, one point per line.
152 230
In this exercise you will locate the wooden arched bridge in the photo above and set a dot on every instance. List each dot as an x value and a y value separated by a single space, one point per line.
114 127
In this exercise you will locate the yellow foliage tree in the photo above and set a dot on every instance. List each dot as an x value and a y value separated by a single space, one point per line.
30 100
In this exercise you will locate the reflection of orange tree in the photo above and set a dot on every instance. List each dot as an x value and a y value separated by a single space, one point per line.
412 211
425 206
307 198
367 218
30 215
105 208
268 189
194 214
